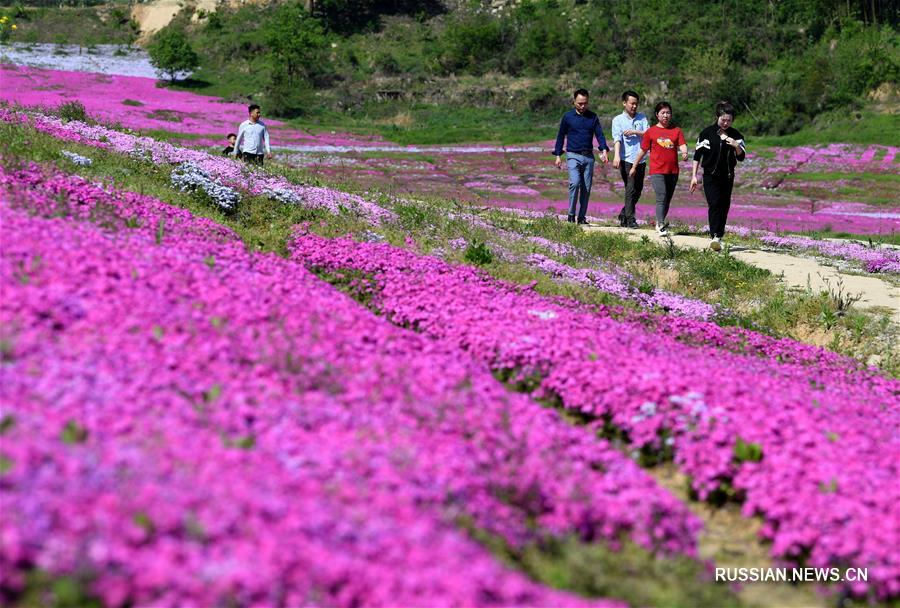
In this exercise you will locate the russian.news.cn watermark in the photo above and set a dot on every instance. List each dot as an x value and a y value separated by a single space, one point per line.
792 575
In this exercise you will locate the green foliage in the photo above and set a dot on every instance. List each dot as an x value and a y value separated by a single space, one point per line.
632 572
74 433
72 110
45 589
747 452
171 53
470 43
543 37
351 16
297 50
478 253
410 216
7 422
818 62
58 23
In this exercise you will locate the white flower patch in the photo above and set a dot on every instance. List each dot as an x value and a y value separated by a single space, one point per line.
113 59
189 177
543 315
78 159
284 195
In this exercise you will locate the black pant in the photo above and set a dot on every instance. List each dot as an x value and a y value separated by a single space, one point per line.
718 198
256 159
633 188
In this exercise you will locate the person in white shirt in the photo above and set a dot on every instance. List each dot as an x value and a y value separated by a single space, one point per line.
627 130
252 143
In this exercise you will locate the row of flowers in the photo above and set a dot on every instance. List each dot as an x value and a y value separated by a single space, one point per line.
224 171
186 422
198 171
218 177
879 259
599 275
882 259
812 450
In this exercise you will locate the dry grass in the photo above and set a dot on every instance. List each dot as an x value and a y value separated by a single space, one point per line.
400 119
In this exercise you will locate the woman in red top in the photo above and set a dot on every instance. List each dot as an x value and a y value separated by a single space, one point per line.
661 140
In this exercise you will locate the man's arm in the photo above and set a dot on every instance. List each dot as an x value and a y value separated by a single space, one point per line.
601 140
560 138
643 125
617 138
637 161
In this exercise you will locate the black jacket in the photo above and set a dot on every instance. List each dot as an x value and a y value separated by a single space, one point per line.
710 146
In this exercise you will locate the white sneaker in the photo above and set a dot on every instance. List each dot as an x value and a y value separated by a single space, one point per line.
716 244
662 230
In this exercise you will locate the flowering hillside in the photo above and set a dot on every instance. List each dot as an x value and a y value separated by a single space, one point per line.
188 417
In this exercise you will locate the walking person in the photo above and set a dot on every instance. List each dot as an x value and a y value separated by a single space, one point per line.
719 148
663 141
627 130
252 143
578 128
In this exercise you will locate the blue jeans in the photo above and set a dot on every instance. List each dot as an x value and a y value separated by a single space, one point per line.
581 174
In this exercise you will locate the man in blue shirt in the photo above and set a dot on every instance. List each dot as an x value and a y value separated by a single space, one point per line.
627 130
578 128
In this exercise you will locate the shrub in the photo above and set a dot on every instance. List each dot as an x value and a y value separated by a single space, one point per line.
73 110
478 254
470 42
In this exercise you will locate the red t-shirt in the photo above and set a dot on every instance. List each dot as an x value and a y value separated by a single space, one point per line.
663 145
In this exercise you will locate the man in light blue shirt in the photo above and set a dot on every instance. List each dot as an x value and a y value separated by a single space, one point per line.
252 143
627 130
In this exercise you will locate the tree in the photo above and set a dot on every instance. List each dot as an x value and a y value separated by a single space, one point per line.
171 53
298 57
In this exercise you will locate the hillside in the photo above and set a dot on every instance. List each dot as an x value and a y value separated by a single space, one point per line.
472 70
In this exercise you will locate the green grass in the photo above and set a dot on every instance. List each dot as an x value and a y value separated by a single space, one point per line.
853 127
85 26
416 123
866 176
448 124
630 572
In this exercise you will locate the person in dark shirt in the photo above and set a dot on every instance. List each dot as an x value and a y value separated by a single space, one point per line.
232 137
719 148
577 129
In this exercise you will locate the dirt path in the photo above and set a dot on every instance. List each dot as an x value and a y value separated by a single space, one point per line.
796 272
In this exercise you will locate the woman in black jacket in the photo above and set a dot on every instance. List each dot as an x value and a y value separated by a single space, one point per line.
719 148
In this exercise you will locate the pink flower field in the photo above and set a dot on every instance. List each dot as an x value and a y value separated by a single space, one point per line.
139 104
244 417
186 420
828 439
